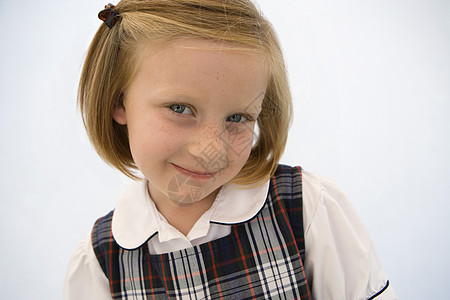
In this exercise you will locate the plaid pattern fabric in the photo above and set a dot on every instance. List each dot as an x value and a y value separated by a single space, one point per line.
261 258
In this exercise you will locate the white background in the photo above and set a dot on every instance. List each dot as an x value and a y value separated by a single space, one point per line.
370 81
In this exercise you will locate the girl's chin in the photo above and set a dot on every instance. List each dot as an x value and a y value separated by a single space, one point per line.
185 190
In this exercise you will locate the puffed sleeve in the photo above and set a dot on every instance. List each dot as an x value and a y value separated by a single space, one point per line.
340 259
84 277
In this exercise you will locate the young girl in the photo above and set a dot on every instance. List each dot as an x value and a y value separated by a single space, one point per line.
194 95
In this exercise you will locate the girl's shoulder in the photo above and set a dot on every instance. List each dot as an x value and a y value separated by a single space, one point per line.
340 255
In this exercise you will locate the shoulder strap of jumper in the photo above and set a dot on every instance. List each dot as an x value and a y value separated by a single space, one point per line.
287 186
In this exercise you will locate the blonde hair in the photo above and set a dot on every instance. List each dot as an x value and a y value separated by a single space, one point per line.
111 64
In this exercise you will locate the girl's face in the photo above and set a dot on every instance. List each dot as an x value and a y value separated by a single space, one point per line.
190 112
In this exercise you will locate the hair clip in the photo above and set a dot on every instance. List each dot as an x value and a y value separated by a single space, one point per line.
109 15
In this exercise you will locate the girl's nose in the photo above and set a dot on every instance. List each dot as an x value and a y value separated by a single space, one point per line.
208 147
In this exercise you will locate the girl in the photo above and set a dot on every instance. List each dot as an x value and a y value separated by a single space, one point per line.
194 95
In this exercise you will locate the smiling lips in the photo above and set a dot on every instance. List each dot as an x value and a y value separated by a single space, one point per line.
196 174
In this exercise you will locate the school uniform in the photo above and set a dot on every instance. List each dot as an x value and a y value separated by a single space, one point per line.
295 237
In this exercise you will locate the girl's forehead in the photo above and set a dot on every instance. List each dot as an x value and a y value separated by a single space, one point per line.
197 55
201 69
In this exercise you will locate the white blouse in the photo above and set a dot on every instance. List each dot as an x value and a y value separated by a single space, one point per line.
340 259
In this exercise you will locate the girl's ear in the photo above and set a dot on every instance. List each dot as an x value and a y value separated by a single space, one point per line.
119 115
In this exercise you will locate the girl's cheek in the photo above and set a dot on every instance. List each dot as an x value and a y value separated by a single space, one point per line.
239 137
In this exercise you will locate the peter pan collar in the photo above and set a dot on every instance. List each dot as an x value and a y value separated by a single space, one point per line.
135 218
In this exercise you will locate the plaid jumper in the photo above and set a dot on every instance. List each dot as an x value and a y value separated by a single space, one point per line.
261 258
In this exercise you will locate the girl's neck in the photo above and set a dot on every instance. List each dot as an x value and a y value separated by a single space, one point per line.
183 218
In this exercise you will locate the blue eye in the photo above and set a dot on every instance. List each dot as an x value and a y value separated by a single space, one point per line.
180 109
236 118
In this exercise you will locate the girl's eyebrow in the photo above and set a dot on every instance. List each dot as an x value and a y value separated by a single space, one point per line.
174 96
163 93
171 92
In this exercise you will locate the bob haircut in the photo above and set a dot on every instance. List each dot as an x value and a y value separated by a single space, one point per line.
112 61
